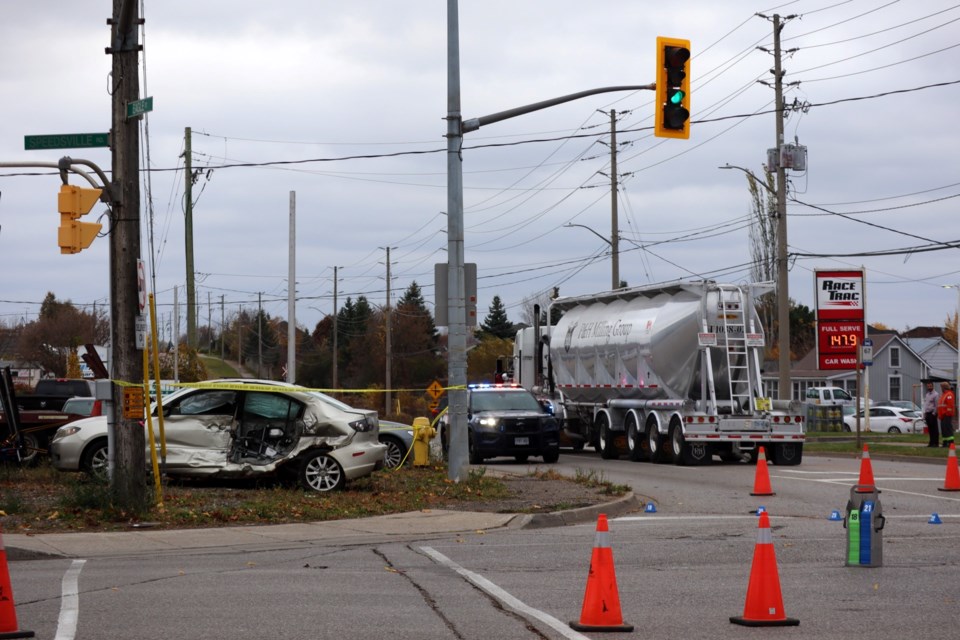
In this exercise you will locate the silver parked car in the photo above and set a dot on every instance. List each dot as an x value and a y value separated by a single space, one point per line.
244 428
399 439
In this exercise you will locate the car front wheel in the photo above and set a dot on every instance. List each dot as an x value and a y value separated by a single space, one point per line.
320 472
95 460
393 457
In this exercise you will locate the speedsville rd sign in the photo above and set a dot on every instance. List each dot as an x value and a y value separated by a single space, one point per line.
840 310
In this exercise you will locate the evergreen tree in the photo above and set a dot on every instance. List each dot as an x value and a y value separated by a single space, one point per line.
496 323
414 342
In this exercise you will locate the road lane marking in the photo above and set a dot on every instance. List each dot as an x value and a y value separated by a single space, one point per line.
877 481
504 597
69 602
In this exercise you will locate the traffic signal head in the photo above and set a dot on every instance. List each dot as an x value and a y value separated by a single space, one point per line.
73 202
672 111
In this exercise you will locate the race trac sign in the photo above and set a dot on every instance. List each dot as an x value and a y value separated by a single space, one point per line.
841 310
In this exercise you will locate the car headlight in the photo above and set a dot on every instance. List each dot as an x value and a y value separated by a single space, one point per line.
63 432
488 423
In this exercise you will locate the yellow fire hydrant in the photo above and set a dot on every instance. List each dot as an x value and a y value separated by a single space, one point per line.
422 434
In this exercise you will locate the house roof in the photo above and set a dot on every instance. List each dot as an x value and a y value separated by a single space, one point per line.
923 332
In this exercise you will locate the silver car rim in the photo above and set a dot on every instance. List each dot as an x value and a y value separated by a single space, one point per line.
99 462
393 456
322 473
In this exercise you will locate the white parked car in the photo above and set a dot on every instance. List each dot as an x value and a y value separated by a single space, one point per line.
887 420
229 431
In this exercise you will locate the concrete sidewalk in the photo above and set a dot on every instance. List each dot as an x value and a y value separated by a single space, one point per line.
375 530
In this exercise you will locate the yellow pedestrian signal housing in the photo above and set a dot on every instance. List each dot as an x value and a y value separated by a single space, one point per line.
73 202
672 114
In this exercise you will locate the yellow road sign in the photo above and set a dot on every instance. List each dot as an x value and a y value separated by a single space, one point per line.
435 390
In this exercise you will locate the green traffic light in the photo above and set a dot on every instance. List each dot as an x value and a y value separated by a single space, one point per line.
676 97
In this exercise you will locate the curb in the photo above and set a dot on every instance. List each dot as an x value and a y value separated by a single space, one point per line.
624 504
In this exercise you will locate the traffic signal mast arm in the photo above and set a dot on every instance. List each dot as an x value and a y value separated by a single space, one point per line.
475 123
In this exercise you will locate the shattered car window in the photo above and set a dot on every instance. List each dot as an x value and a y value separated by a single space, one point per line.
271 406
213 402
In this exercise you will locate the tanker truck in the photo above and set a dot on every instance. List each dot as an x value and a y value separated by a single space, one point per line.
661 373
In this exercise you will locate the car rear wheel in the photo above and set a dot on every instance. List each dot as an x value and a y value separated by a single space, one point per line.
551 456
320 472
893 430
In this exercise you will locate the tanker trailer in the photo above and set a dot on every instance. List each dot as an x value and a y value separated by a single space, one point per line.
669 372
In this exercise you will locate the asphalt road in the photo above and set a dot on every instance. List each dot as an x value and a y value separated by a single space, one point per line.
679 572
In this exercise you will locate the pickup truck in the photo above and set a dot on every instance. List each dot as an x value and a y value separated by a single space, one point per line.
35 428
830 396
51 393
25 433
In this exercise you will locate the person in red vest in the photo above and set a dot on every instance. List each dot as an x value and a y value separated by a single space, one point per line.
946 407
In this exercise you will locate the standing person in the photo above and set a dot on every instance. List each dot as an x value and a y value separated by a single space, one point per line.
945 410
930 399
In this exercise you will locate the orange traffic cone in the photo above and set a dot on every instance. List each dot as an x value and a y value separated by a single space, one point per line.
761 483
8 614
764 605
866 483
952 481
601 602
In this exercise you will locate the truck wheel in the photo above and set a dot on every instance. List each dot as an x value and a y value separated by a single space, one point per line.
608 448
474 454
31 449
634 439
654 443
551 456
788 454
685 453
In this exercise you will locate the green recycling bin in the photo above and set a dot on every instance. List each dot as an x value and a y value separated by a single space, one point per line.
864 524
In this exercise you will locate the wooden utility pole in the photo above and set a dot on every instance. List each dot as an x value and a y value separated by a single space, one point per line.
783 296
126 361
336 351
388 328
188 240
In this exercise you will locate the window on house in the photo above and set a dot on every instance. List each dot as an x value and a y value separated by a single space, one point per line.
894 388
894 356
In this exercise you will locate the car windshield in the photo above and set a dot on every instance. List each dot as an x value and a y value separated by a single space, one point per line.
504 401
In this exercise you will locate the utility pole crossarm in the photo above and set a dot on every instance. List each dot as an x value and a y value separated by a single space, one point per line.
475 123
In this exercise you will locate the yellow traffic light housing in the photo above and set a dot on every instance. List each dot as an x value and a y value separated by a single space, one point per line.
73 202
672 111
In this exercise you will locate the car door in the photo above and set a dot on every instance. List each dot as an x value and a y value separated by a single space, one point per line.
881 419
268 427
197 427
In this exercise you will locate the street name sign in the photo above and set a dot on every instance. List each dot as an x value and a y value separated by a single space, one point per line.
139 107
66 141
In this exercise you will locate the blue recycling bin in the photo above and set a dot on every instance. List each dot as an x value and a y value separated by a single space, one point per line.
864 523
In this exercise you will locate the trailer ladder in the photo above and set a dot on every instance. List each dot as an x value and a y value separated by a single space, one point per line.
732 312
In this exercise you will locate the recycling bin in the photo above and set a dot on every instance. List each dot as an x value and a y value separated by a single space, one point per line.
864 524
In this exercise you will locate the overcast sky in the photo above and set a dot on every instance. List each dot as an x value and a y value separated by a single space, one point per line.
317 80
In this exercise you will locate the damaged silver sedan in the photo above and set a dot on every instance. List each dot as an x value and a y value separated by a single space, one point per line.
244 428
